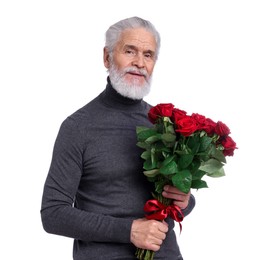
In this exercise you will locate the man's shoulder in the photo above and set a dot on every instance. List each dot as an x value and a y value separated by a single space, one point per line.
86 110
82 115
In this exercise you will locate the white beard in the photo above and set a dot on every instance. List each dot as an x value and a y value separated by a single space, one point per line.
129 90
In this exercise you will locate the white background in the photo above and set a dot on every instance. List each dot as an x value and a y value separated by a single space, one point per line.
214 60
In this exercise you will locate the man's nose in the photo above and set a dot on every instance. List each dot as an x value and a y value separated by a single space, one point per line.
139 61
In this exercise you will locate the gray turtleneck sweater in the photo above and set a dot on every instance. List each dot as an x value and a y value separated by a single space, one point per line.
95 187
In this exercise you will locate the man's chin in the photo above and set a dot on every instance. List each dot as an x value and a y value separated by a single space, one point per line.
130 85
137 81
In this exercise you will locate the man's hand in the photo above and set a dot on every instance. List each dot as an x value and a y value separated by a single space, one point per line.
148 234
180 198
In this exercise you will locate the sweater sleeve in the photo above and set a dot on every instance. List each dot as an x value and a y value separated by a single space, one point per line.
58 214
190 206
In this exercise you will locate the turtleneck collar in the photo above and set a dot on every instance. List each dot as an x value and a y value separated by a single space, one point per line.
112 98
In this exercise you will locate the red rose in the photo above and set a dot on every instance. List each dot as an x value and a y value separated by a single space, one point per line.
186 126
200 119
204 123
229 146
178 114
160 110
221 129
209 126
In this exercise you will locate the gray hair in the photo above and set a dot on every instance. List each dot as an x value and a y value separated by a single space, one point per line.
114 32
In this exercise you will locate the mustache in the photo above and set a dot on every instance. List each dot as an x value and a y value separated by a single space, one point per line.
136 70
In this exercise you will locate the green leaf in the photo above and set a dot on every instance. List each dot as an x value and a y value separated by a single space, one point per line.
170 129
198 184
185 160
141 129
143 145
195 164
148 165
170 138
146 155
152 139
168 160
194 143
169 168
211 166
217 154
161 147
205 141
197 175
218 173
144 133
182 180
151 173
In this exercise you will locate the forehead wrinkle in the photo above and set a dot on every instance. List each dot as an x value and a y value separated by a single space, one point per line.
139 38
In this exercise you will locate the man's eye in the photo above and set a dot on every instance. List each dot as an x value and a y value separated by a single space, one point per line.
130 52
148 55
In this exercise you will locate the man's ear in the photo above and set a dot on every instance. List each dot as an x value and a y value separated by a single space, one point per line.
106 58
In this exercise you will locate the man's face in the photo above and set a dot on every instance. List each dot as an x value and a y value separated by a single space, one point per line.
132 62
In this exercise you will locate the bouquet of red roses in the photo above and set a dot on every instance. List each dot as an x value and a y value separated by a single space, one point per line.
179 150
